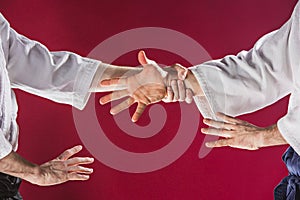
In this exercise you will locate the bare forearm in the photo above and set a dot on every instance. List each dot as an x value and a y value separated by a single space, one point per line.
14 165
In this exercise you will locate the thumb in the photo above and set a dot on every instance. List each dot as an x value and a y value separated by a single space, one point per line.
146 62
181 71
143 60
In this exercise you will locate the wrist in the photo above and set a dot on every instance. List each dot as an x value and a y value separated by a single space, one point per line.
192 83
261 139
33 175
272 136
14 165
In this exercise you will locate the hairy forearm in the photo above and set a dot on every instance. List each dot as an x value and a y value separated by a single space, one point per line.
271 137
14 165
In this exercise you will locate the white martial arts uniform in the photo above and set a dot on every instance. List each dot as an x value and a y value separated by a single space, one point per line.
234 85
256 78
63 77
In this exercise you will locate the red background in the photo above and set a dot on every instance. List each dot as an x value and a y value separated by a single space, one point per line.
222 27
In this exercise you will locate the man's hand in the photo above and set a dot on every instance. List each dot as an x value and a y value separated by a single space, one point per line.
178 92
63 169
143 88
241 134
151 85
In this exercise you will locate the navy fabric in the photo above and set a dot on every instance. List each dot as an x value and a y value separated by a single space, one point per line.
289 187
9 186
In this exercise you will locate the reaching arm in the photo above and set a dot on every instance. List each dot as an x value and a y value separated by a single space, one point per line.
63 77
252 79
57 171
241 134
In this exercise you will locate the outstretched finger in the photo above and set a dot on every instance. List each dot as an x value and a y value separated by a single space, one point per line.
80 169
138 112
229 119
113 96
114 82
217 132
142 58
69 152
79 161
219 143
146 62
219 125
74 176
122 106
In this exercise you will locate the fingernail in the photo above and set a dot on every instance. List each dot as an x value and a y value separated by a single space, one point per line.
86 177
101 83
207 144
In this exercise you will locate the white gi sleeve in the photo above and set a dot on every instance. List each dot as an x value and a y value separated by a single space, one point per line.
289 125
5 146
252 79
63 77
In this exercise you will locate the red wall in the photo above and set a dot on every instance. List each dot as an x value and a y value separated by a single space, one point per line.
222 27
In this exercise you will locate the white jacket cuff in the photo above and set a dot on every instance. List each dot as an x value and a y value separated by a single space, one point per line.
206 104
5 146
290 132
83 82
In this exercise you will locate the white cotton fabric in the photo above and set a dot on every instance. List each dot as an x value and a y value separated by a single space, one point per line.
256 78
62 77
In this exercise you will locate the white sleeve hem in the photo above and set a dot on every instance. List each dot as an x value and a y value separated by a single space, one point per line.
5 147
206 104
83 82
288 136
